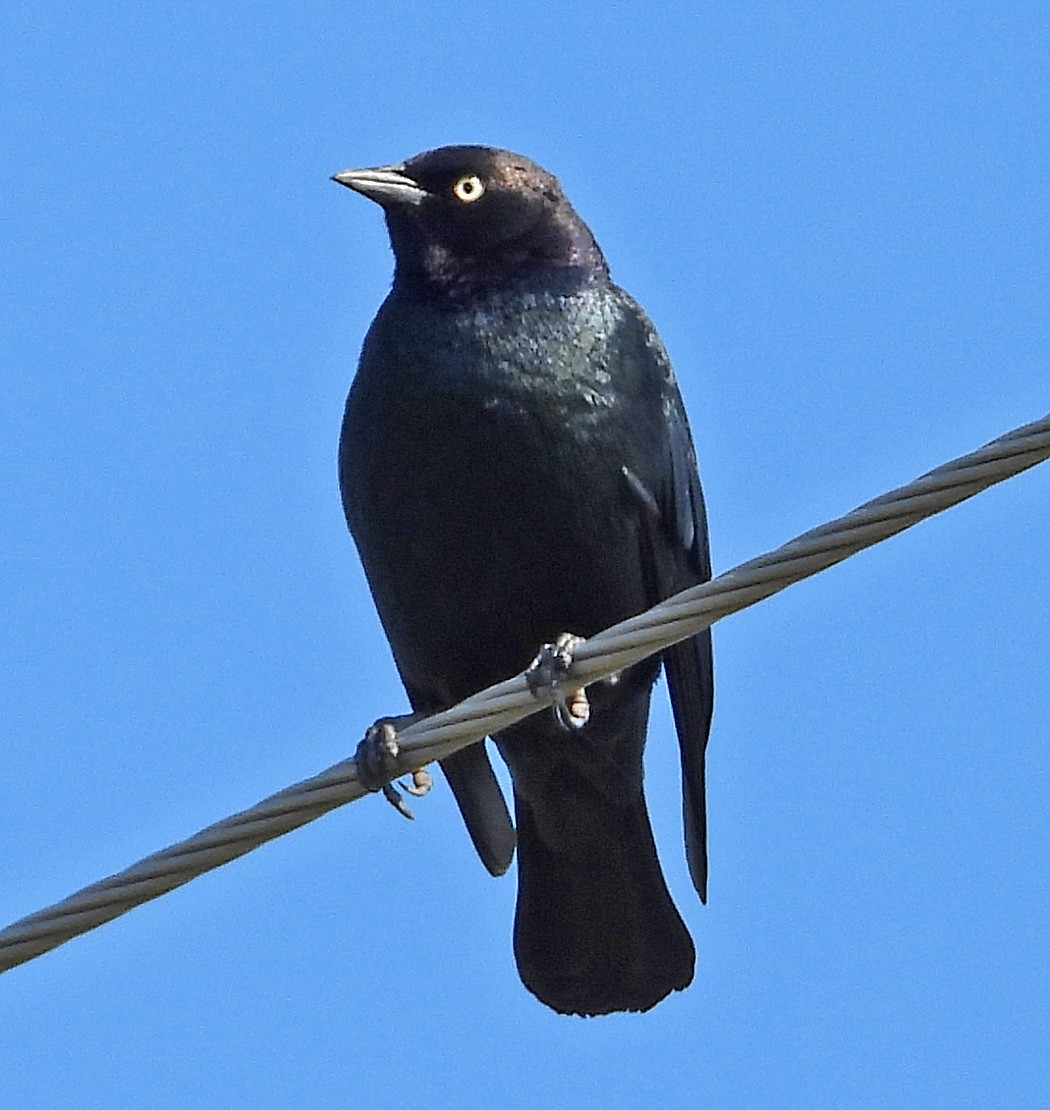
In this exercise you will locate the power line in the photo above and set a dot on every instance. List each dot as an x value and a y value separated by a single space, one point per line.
493 709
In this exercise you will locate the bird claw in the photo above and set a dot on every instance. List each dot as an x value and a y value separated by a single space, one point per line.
378 762
421 783
548 671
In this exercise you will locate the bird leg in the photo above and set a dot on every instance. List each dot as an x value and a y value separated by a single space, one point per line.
549 670
378 763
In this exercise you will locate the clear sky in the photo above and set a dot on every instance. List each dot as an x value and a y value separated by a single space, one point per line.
837 216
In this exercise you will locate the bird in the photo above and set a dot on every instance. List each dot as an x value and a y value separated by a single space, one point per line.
517 470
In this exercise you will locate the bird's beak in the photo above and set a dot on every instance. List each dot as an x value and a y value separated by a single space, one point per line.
386 185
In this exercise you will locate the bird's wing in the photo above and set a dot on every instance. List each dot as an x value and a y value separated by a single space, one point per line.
689 664
481 802
677 555
476 790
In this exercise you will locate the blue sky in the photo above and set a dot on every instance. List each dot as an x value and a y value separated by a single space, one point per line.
837 217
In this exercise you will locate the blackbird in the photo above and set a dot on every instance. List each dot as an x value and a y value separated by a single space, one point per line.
515 464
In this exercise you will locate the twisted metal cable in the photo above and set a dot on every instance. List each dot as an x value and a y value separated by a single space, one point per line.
493 709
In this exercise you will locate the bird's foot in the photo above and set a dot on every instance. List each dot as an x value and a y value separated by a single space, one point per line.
378 763
549 670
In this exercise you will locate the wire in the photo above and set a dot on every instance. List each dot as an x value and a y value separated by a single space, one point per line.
493 709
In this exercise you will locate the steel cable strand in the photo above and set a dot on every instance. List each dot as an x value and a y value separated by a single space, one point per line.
487 712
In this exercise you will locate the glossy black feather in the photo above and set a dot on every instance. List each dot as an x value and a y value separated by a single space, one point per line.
516 463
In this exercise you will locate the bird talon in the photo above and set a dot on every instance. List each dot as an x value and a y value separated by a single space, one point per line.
391 794
421 783
378 762
549 670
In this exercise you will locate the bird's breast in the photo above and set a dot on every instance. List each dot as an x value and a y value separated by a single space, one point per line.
481 467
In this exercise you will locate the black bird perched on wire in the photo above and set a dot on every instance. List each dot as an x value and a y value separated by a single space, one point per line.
516 464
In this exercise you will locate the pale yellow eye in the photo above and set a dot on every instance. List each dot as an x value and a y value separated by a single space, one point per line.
468 188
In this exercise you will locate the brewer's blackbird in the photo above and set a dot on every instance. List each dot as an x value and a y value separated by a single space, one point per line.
515 464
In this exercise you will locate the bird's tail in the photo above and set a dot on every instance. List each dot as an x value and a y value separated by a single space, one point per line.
596 931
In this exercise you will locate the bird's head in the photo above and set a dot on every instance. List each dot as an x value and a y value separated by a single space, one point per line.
469 218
